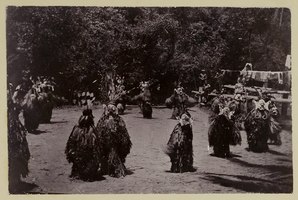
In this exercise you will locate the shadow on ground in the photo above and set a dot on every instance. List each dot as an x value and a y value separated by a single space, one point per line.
58 122
248 184
23 188
37 132
276 179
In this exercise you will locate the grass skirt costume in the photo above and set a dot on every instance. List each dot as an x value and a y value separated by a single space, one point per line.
260 126
82 148
275 128
31 111
178 102
144 100
18 150
147 109
46 105
222 133
121 100
115 143
179 147
217 104
239 112
257 130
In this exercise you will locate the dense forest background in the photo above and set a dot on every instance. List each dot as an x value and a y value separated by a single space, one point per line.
78 45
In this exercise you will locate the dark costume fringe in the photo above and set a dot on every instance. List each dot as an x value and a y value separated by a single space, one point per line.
215 102
121 102
147 110
179 149
257 127
46 107
82 150
31 111
275 128
115 144
216 106
238 107
120 108
18 150
144 100
178 103
222 133
178 109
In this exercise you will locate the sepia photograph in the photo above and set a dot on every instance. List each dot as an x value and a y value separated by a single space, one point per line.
149 100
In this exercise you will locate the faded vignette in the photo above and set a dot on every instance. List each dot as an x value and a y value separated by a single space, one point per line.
292 5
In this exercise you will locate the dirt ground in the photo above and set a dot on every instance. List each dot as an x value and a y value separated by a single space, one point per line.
269 172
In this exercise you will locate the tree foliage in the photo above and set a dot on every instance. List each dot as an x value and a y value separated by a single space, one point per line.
78 45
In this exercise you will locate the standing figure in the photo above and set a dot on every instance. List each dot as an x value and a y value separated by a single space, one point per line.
218 103
147 109
206 91
31 110
202 77
121 99
239 86
179 147
46 101
257 127
117 92
26 97
275 128
219 80
238 106
204 87
178 101
82 149
222 133
115 143
144 100
18 150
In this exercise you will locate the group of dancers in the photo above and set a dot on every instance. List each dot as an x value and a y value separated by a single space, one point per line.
35 97
258 117
101 149
96 150
32 98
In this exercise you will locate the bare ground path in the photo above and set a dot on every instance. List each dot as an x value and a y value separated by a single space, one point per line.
149 166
